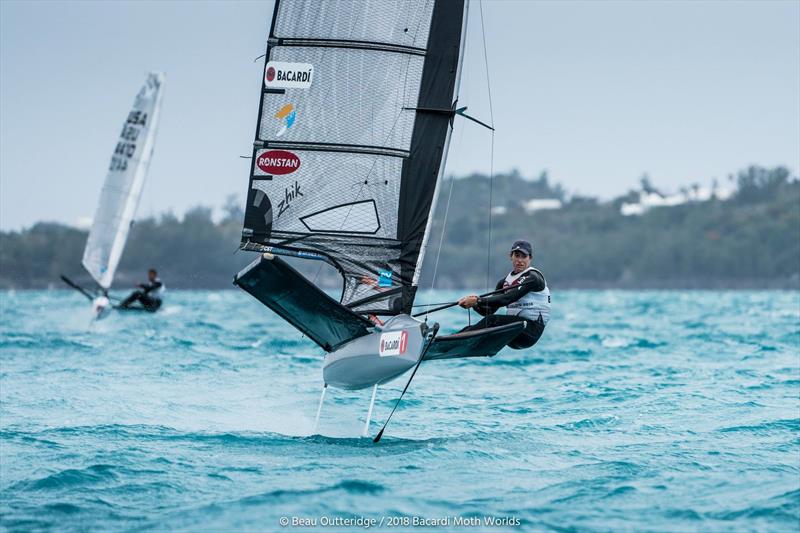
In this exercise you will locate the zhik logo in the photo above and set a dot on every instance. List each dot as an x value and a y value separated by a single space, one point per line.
290 193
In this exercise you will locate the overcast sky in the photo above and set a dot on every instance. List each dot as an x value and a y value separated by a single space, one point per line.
596 93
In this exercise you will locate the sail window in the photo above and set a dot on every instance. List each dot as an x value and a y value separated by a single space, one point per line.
355 217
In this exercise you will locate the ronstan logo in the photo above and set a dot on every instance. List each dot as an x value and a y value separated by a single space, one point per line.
278 162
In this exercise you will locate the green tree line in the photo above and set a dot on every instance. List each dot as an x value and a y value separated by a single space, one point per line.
750 240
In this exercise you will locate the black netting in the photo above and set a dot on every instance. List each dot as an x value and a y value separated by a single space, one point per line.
370 267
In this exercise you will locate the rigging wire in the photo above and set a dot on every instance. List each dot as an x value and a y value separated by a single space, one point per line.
491 157
441 239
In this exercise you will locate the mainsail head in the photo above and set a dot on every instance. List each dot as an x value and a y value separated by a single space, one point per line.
123 186
353 125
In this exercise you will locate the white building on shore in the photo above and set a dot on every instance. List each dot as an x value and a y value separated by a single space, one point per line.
648 200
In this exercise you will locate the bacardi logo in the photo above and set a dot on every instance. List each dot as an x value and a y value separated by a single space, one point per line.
284 75
393 343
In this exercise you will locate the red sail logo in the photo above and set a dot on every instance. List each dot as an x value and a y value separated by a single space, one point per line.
393 343
278 162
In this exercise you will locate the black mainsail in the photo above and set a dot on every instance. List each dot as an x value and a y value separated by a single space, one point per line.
355 114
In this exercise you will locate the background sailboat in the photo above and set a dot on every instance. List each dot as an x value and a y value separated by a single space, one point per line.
119 197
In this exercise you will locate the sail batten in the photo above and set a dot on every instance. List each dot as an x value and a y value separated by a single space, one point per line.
329 147
341 43
346 160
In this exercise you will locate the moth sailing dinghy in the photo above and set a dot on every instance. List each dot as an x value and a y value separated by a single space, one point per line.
120 194
355 113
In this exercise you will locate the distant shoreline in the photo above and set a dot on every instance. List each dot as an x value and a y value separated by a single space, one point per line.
744 286
748 241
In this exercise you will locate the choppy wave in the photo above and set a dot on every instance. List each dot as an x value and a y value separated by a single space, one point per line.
636 411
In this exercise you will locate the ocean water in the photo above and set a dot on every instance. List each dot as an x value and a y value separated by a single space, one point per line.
667 411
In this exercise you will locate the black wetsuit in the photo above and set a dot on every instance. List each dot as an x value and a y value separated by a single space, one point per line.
487 306
143 296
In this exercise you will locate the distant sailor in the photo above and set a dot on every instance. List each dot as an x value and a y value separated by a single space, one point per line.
149 294
527 298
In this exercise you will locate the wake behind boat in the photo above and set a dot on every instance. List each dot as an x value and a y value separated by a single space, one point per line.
119 197
355 116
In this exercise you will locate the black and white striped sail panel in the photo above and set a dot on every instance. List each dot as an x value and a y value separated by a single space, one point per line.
352 128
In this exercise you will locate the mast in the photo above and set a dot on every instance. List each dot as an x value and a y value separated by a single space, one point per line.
440 176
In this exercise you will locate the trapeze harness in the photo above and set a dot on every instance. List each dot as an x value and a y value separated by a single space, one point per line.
532 305
157 290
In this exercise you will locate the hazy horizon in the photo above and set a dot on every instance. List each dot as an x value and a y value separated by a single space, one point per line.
595 93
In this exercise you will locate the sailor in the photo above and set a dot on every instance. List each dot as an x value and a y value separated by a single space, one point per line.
526 298
149 294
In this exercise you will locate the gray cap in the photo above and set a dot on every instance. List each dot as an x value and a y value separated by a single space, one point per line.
522 246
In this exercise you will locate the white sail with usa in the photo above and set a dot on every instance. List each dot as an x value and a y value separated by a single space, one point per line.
119 198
